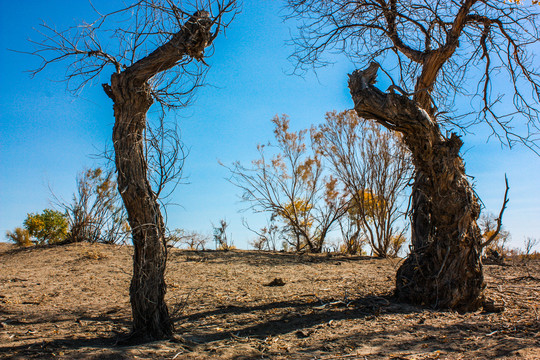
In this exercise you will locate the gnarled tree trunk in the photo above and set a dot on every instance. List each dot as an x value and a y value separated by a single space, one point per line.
147 290
444 268
132 96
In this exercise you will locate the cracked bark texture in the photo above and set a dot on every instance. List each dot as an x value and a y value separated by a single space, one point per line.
443 269
132 96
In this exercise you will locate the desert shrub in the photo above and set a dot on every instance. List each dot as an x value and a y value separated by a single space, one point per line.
352 245
396 243
49 227
226 247
375 167
520 254
259 243
190 240
535 255
93 254
527 253
524 255
530 244
220 236
96 213
289 182
352 242
268 236
20 236
488 226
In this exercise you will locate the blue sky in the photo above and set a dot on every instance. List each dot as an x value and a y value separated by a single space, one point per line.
47 136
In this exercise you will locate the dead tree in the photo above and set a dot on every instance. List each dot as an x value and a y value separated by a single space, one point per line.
430 50
142 75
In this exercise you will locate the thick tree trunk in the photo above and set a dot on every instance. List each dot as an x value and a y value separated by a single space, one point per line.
147 291
444 268
132 96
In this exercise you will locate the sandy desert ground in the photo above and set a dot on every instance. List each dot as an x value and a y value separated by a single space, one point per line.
71 302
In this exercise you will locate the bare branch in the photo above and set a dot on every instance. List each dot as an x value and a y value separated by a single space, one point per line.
493 236
432 49
100 46
375 168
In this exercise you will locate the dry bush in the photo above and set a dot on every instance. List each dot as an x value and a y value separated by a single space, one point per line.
375 167
93 254
190 240
20 236
488 226
96 213
396 244
267 237
530 243
289 182
220 237
353 242
526 254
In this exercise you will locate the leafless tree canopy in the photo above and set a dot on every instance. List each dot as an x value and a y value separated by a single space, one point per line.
118 40
437 52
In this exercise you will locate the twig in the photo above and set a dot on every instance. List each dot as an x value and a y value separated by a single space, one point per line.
499 219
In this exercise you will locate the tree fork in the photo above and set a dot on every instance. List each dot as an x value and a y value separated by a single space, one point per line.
444 269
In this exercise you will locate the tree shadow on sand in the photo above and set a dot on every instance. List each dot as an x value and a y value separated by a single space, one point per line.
291 316
254 257
299 318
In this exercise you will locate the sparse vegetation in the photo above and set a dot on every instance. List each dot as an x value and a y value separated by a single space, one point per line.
291 186
69 303
268 237
20 236
190 240
375 167
488 225
396 154
96 213
371 169
529 245
221 240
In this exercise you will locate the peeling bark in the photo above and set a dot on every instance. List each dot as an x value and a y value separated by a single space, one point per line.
444 268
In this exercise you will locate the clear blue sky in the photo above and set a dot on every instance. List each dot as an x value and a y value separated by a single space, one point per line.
47 136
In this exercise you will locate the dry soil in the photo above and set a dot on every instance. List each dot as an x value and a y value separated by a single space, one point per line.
71 302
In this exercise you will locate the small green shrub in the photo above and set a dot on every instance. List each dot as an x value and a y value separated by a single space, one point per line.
49 227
